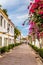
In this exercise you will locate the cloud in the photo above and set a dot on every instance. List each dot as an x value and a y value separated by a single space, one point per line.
23 16
21 8
17 6
18 19
27 2
9 2
18 13
2 2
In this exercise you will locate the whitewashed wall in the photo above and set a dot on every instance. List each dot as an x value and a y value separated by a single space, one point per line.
2 29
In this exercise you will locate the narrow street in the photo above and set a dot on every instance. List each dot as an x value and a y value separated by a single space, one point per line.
21 55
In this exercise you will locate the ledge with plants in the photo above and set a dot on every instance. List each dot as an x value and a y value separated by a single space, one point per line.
7 48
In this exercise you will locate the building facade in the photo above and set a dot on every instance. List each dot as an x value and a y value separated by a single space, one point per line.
6 30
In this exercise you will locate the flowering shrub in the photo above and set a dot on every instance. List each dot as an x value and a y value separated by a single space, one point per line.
36 18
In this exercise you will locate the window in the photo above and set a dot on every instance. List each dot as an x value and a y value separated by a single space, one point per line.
5 41
0 41
8 27
1 18
11 28
4 23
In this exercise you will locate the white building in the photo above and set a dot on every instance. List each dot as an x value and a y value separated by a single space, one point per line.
6 30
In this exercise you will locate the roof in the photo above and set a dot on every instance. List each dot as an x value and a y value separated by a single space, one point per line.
10 22
1 11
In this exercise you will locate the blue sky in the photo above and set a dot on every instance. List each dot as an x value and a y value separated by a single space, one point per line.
18 12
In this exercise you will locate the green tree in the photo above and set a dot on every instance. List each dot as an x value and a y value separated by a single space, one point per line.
5 11
0 6
16 33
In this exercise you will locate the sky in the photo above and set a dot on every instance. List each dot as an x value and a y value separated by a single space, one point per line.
18 13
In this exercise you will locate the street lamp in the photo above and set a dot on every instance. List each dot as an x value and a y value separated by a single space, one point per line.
26 20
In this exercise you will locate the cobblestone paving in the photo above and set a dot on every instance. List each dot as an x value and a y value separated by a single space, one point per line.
21 55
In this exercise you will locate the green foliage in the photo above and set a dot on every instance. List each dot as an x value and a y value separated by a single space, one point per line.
16 32
3 49
5 11
7 48
37 18
34 47
10 46
39 50
0 6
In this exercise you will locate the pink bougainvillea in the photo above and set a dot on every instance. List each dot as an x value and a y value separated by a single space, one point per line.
40 12
37 1
36 8
41 5
37 4
32 11
41 16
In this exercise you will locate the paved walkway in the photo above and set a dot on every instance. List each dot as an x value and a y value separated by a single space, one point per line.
21 55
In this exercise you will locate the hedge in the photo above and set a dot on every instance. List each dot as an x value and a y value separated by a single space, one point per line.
39 50
7 48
